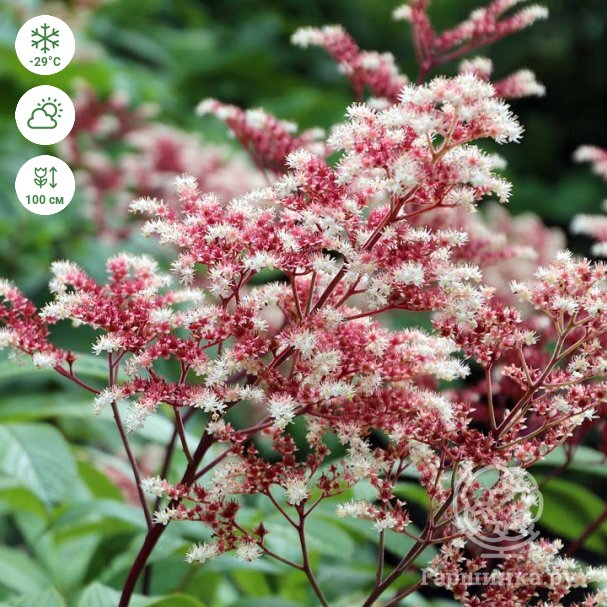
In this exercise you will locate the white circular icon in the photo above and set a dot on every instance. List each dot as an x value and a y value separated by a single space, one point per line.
45 115
45 185
45 45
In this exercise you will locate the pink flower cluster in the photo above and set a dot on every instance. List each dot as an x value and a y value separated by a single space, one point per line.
596 156
267 139
24 330
364 69
484 26
594 226
520 84
503 246
518 579
121 152
378 72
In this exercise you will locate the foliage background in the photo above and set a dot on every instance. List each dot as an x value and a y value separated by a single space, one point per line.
66 531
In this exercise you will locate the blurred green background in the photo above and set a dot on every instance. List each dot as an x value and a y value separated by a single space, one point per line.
173 53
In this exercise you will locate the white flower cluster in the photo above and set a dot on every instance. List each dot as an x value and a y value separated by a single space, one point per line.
282 408
107 343
106 397
153 486
296 489
200 553
208 401
248 551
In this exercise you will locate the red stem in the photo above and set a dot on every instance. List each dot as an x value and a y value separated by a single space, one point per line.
579 543
157 529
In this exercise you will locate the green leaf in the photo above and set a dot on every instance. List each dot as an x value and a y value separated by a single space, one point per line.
412 493
52 552
417 600
97 516
174 600
264 602
98 595
326 537
586 459
157 428
252 583
397 543
169 544
11 369
205 584
33 407
340 577
19 573
569 509
55 554
19 498
100 486
40 459
37 406
226 563
45 598
86 365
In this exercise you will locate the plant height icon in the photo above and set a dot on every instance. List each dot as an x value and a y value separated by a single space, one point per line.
45 38
40 176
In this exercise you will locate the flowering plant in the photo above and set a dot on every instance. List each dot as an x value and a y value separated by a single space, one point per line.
277 325
146 157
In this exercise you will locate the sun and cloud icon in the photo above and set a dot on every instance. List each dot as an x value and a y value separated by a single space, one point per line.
45 115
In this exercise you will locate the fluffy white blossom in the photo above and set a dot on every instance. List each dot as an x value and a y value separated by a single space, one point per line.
281 408
208 401
105 398
107 343
248 551
201 553
297 490
153 486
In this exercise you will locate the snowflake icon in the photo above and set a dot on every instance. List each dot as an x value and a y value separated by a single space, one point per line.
45 38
